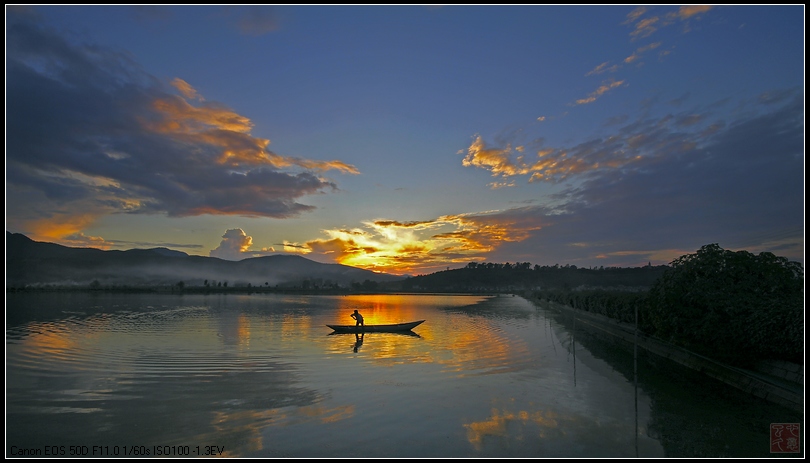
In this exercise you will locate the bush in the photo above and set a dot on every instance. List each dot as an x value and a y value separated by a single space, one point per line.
735 307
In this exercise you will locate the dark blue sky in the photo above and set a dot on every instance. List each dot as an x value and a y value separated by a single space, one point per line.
410 138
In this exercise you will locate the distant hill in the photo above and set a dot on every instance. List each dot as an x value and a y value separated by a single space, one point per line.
34 263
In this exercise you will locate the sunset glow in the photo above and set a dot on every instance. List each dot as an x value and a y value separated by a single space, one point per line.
407 140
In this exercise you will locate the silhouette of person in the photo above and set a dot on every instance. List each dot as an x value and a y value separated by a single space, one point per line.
358 341
358 318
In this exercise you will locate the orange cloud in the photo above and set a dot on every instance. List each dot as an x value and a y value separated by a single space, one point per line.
645 27
635 14
498 161
637 54
66 229
602 68
406 247
557 164
604 88
551 164
180 117
687 11
187 90
144 148
226 130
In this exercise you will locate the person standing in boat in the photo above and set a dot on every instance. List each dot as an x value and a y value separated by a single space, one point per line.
358 318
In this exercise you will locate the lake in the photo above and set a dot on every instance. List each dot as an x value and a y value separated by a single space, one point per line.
146 375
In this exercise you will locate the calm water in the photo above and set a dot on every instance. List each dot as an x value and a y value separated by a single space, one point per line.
261 376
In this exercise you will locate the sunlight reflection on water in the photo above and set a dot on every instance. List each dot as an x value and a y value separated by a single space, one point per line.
262 375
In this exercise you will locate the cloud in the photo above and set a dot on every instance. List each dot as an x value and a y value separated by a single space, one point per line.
94 134
604 88
689 119
646 26
640 51
688 11
631 145
602 68
642 27
235 245
635 14
496 160
555 165
497 185
249 20
737 183
421 246
150 12
187 90
776 96
254 20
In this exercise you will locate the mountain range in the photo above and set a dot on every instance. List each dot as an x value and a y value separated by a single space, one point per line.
35 263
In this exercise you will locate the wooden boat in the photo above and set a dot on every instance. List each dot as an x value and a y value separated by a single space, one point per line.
393 328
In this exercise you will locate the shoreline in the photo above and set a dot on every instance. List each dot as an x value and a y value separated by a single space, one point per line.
782 390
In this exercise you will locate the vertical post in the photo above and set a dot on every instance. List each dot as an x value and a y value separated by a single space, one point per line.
635 374
574 345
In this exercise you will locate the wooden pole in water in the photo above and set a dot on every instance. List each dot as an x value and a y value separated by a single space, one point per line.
635 374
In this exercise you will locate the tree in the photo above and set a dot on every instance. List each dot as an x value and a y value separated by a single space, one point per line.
735 307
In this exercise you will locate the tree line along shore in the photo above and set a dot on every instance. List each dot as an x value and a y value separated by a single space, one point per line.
732 306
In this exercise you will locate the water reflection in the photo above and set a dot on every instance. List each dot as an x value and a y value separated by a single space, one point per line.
688 414
358 340
550 433
263 376
160 376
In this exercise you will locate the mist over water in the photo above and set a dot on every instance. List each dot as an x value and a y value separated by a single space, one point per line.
262 376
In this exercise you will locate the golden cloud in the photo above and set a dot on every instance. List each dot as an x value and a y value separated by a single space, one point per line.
687 11
645 27
183 118
401 247
187 90
602 68
66 228
635 14
553 164
604 88
226 130
598 69
498 161
637 54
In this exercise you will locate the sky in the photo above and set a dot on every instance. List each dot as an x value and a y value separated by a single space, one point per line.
409 139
